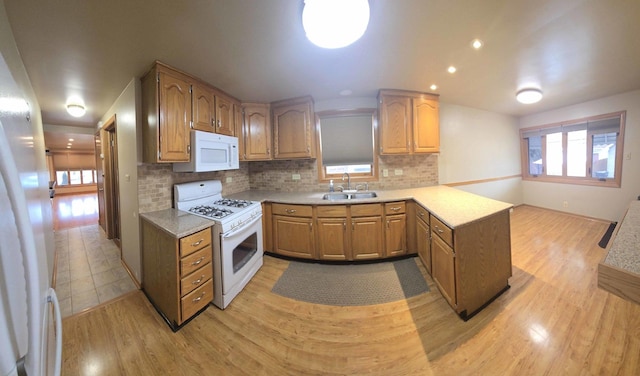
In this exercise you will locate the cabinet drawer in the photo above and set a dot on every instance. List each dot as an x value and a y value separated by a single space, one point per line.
194 242
332 211
366 210
395 207
196 300
292 210
196 279
442 230
195 261
423 214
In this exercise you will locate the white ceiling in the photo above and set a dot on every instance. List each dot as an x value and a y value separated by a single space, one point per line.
574 50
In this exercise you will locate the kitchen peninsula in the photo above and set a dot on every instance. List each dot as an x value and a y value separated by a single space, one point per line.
463 239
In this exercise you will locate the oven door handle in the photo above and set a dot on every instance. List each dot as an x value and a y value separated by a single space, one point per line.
242 227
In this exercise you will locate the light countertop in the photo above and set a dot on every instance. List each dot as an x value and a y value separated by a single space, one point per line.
177 223
452 206
624 252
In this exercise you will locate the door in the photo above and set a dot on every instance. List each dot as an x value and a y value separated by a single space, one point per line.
111 183
366 238
100 181
443 268
332 239
396 235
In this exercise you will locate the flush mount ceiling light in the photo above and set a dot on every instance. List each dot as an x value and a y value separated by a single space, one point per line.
529 96
76 110
335 23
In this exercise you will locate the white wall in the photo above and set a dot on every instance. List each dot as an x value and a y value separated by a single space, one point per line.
127 111
477 145
596 202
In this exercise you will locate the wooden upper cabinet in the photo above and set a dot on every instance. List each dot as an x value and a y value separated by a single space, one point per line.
294 133
256 132
203 108
395 120
166 106
409 122
225 115
426 126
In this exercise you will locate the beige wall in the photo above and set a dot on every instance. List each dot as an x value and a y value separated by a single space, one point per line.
596 202
127 111
479 146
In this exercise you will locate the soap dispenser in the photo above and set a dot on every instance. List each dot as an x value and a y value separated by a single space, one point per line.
331 189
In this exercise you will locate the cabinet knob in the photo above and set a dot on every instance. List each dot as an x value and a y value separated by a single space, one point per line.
290 211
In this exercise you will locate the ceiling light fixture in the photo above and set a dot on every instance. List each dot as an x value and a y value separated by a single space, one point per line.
433 87
335 23
476 44
529 96
76 110
451 69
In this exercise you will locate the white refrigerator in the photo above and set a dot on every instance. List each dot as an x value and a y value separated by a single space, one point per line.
30 323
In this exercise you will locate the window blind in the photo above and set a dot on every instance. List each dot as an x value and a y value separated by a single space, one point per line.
346 140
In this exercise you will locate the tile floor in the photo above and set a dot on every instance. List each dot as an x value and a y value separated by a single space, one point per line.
89 271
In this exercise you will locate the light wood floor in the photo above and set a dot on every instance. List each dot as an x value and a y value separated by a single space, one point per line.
553 321
77 210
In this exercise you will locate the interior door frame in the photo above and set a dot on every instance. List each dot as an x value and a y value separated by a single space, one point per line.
100 180
108 135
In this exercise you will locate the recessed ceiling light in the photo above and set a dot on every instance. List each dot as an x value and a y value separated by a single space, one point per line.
335 23
451 69
528 96
477 44
71 140
433 87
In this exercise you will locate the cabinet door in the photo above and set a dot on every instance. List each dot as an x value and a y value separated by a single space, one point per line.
395 124
293 236
426 126
332 239
175 118
203 108
423 242
366 238
443 268
396 235
293 136
225 123
257 132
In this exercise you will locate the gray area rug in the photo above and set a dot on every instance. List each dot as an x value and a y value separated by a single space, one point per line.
351 285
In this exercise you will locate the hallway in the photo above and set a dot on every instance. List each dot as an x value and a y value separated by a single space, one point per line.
88 269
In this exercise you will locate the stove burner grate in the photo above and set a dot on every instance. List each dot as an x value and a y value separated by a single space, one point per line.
233 203
211 211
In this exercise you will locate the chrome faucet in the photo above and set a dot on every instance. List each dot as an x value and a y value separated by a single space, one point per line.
348 180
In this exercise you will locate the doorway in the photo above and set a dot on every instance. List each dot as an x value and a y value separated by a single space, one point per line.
100 181
109 147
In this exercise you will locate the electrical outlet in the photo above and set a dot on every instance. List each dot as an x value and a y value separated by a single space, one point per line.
628 156
385 172
295 177
565 204
398 171
229 179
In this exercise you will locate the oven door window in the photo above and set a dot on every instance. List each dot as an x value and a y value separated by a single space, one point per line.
244 251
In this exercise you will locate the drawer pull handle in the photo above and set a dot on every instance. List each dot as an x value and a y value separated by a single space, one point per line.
395 208
197 281
198 262
421 214
199 298
290 211
197 243
438 229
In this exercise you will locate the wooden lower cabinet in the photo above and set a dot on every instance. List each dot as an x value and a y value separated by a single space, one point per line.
293 231
444 271
367 238
332 234
471 264
423 237
177 273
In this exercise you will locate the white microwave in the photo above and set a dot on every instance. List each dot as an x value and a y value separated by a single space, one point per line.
211 152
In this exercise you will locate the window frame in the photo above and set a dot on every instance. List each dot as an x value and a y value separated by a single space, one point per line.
68 171
323 176
614 182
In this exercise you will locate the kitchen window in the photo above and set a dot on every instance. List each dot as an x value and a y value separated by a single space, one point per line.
75 177
584 151
347 144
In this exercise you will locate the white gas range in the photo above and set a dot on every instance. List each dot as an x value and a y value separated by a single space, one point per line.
237 231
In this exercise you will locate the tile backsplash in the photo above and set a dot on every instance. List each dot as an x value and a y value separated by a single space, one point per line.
155 181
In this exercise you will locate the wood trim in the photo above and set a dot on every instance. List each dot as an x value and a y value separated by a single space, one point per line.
469 182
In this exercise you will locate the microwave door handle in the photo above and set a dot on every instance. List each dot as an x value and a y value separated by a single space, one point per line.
241 228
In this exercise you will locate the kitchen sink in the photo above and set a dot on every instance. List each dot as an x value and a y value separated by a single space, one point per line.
348 196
